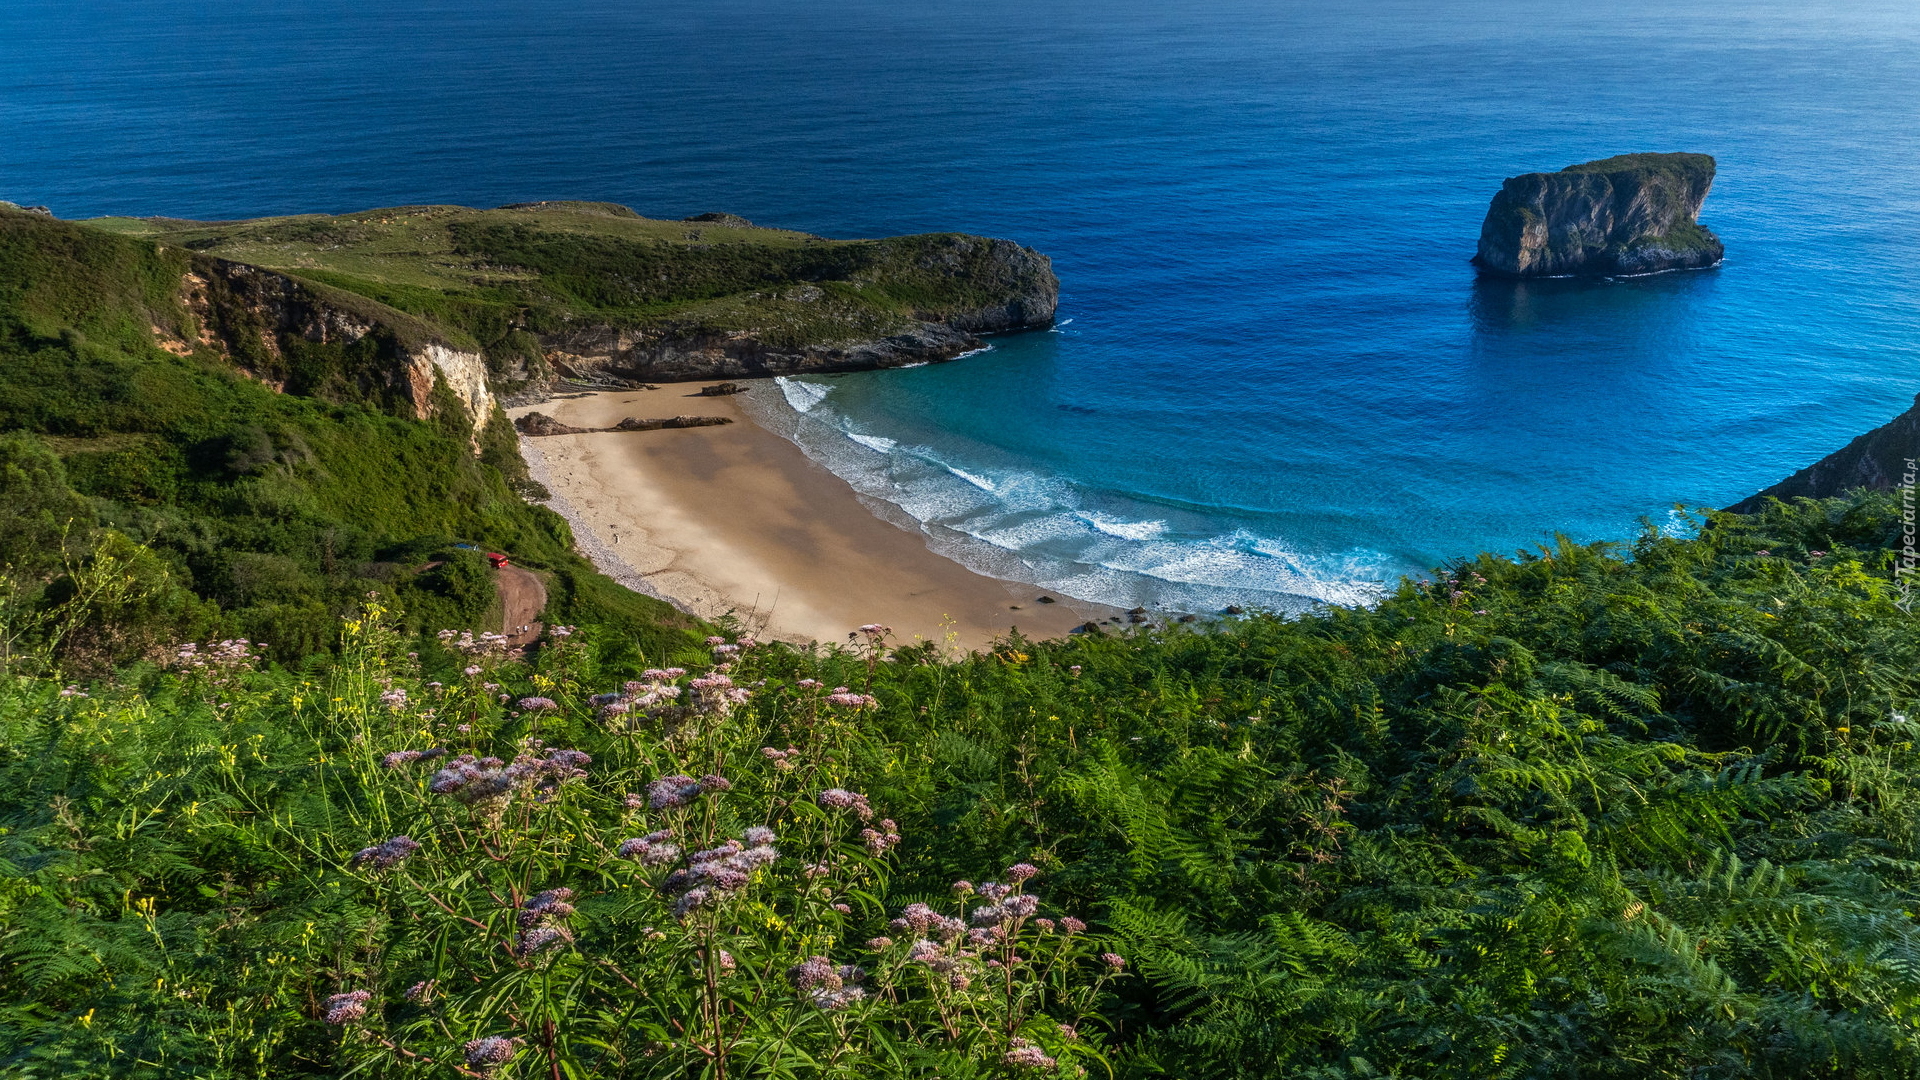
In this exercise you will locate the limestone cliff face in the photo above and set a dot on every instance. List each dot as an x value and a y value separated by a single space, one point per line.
296 336
1010 288
1875 460
1633 214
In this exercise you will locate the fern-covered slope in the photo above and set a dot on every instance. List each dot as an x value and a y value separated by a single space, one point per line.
1633 813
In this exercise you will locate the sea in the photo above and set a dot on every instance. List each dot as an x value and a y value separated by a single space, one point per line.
1274 380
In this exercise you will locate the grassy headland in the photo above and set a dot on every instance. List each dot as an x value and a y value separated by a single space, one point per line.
501 280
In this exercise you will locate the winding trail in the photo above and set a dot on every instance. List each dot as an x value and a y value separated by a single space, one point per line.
523 596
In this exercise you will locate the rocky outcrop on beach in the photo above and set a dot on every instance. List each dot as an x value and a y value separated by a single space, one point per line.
1632 214
539 423
1877 461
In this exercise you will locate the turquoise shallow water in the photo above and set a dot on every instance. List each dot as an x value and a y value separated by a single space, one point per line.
1276 378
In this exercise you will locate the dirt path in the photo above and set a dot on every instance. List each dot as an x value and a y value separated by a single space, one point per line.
523 596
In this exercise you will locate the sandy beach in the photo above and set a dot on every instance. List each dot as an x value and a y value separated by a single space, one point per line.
737 519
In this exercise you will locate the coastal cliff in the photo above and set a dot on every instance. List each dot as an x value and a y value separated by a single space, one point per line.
311 340
1632 214
597 295
1875 461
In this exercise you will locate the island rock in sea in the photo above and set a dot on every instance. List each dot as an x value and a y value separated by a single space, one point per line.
1879 461
1632 214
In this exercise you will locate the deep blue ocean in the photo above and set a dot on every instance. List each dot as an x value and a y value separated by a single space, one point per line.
1275 377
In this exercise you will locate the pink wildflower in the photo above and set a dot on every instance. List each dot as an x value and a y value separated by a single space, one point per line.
348 1007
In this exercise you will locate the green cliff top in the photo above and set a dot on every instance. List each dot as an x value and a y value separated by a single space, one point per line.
1683 165
490 277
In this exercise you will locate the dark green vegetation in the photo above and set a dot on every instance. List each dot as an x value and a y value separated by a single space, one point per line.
500 280
1645 168
1592 813
258 514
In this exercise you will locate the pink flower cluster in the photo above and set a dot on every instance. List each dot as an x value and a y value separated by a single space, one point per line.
670 792
1026 1055
400 758
716 873
481 780
715 693
386 854
224 655
540 921
650 850
921 919
348 1007
826 985
653 689
491 1052
842 696
487 643
881 840
842 799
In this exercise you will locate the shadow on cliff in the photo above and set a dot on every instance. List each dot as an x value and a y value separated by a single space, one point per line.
1506 306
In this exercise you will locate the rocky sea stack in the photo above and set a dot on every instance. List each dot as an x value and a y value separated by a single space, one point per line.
1632 214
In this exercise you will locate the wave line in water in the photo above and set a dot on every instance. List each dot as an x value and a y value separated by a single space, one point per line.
1020 525
875 443
803 396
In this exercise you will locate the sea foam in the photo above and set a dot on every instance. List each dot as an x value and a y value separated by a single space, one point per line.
1018 524
803 396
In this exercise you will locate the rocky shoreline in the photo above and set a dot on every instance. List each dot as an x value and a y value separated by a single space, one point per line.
1877 461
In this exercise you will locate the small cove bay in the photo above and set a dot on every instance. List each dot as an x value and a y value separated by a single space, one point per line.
1275 379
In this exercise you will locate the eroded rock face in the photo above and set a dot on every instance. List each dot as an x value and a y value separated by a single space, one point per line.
595 354
1878 461
1633 214
265 322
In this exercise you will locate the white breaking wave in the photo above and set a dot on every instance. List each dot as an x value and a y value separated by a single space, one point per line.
803 396
980 482
875 443
1042 529
1125 530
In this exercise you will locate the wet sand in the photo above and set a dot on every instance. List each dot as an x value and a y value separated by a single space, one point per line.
736 519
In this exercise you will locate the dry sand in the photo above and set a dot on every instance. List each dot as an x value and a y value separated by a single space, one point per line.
737 519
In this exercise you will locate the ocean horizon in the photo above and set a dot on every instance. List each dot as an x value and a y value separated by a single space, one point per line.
1274 379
